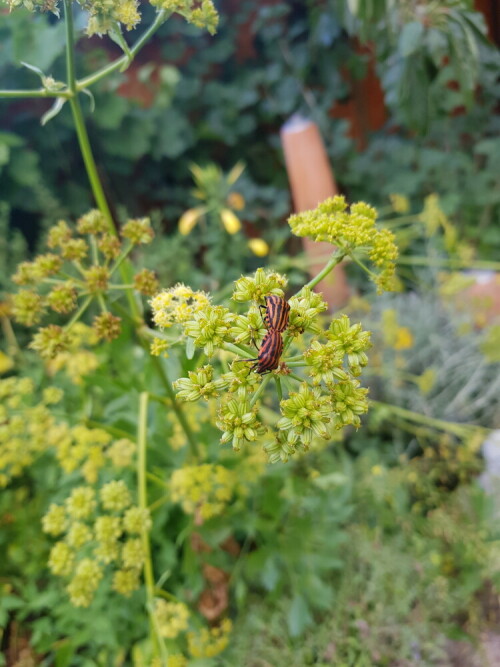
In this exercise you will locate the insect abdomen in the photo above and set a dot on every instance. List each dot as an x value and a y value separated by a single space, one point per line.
277 311
269 352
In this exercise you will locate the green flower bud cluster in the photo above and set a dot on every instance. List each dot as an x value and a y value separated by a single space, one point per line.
96 531
238 422
354 230
78 271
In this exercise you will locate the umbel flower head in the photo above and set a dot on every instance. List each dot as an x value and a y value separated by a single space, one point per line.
353 230
76 273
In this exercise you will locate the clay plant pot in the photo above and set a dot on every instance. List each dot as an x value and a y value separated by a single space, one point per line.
311 182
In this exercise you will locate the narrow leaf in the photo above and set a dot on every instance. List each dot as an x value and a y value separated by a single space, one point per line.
410 38
53 111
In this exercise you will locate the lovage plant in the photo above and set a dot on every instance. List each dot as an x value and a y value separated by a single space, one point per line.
141 500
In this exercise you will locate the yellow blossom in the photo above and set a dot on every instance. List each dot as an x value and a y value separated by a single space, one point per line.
230 221
259 247
207 643
189 218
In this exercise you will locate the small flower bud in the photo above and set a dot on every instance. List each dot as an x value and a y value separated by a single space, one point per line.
59 235
107 326
50 341
27 307
146 282
110 246
138 231
96 278
62 298
74 249
92 222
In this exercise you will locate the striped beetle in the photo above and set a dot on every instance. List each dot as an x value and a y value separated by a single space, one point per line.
269 353
276 313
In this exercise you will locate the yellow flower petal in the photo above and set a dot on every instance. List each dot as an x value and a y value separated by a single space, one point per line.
189 219
230 221
259 247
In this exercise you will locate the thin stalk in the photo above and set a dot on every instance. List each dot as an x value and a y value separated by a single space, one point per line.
298 357
79 312
179 413
260 390
337 257
365 268
117 64
143 504
84 143
297 378
38 92
297 364
279 389
121 257
236 349
459 430
10 336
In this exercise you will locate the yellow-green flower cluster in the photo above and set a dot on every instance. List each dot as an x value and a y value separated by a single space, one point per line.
204 490
27 428
76 361
238 421
207 643
78 271
97 530
177 305
201 14
332 359
210 328
352 230
172 618
89 450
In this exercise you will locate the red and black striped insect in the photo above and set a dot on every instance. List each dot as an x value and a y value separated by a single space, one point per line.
276 313
269 353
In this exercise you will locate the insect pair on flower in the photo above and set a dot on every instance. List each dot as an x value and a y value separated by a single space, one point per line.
276 313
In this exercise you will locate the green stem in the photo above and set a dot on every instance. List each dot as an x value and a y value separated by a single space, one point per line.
84 143
297 378
39 92
79 312
260 390
236 349
121 257
279 389
179 413
363 266
117 64
297 364
337 257
459 430
143 504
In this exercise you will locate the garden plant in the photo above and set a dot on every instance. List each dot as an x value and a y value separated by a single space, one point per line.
155 481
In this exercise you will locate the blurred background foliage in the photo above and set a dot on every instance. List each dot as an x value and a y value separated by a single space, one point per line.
191 98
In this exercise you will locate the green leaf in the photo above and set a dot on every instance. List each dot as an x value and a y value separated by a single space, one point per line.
410 38
298 617
53 111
